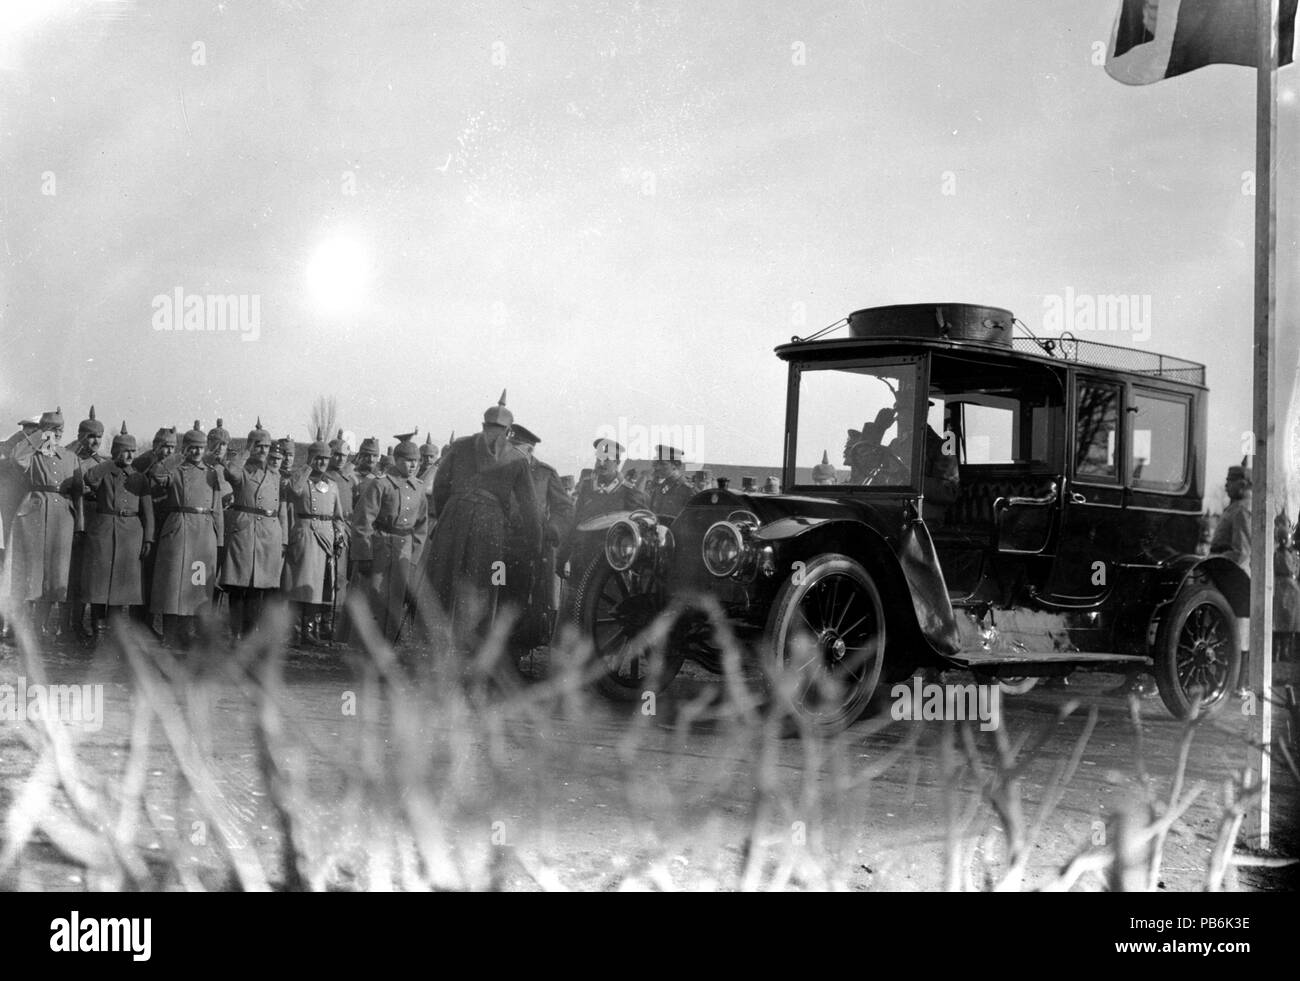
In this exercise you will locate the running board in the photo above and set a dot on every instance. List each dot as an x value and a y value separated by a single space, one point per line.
983 659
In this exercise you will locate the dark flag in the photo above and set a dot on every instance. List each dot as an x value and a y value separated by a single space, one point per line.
1157 39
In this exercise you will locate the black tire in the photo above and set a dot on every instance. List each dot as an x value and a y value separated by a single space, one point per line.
1197 648
612 610
839 662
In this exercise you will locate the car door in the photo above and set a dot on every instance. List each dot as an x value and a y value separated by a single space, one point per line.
1089 543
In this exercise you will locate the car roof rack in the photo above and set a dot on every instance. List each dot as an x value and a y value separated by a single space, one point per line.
1066 347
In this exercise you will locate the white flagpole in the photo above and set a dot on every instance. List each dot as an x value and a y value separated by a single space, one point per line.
1260 673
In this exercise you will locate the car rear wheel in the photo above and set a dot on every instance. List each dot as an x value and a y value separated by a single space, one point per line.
1197 651
825 640
613 609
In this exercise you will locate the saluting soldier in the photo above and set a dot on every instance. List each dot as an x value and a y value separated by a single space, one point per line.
389 527
669 490
257 530
185 566
90 434
41 539
311 564
119 533
533 583
218 444
471 499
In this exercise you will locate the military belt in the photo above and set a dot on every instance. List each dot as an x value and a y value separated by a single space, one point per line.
249 509
189 510
120 512
391 530
45 488
307 516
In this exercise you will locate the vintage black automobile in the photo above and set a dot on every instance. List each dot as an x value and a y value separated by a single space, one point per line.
1016 506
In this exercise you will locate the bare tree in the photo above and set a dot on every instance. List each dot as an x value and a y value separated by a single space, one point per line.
324 417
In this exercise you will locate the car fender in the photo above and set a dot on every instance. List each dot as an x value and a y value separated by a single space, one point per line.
1230 579
914 569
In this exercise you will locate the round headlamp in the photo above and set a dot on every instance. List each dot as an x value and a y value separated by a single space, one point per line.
622 544
723 548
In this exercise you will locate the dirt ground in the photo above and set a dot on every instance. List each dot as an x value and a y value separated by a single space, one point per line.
584 794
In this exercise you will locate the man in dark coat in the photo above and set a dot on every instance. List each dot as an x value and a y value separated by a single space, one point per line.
606 490
668 489
533 585
163 448
311 564
257 530
119 532
341 472
465 564
41 540
389 525
90 434
185 568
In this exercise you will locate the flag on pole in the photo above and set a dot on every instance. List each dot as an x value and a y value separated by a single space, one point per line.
1156 39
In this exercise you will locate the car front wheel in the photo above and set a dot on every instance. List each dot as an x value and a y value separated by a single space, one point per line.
825 642
1197 651
613 610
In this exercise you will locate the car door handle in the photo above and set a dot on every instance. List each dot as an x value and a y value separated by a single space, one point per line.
1077 498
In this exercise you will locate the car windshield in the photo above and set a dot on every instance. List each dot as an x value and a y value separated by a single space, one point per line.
862 418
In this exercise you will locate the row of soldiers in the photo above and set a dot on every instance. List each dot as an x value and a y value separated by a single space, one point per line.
161 531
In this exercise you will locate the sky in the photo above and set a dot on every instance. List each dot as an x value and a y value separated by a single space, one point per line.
613 210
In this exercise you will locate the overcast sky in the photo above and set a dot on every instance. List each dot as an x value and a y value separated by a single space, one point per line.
612 209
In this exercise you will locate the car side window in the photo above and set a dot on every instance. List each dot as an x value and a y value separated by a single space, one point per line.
1096 432
1159 444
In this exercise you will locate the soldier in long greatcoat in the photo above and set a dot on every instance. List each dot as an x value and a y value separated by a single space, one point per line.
257 530
463 569
41 540
119 532
185 568
163 448
389 525
90 434
535 587
311 568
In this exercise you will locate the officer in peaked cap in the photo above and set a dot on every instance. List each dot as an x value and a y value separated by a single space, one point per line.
605 490
1232 534
668 489
389 526
90 433
119 533
538 585
41 539
367 466
472 496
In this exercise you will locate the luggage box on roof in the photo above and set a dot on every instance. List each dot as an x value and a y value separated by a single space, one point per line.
941 321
